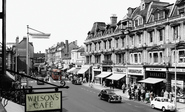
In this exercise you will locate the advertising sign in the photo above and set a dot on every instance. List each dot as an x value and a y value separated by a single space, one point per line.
43 101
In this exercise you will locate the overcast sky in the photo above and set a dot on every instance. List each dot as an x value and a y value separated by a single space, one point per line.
64 19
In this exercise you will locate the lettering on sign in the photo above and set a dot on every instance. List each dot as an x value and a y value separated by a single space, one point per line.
177 70
120 70
43 101
155 69
135 71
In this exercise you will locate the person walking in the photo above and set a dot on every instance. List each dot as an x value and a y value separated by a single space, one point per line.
123 88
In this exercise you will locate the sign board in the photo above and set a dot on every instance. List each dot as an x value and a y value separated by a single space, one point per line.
156 69
136 71
43 101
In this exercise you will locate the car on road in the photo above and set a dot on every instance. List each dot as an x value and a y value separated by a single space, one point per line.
39 82
109 95
162 103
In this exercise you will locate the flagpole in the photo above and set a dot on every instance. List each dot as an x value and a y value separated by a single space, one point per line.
27 55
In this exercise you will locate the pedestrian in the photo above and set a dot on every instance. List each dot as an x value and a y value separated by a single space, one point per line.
123 88
142 94
139 95
129 93
110 84
147 96
162 93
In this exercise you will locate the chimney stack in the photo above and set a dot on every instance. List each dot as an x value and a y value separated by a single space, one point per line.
67 46
113 19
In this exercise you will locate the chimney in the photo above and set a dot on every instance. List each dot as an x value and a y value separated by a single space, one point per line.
113 19
130 10
67 47
17 40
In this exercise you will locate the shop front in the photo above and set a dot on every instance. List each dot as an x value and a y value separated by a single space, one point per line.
180 79
155 79
106 71
134 74
118 77
96 70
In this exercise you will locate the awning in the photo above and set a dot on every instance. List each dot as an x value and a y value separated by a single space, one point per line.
10 75
103 74
75 70
84 69
116 76
152 80
70 70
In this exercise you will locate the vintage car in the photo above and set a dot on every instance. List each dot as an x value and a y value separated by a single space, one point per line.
39 82
109 95
162 103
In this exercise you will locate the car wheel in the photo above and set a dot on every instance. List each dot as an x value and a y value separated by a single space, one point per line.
153 106
163 109
109 100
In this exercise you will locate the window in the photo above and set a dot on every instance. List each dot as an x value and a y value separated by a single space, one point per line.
151 36
116 43
155 16
118 58
136 23
161 34
175 32
90 48
95 46
182 56
105 44
135 58
155 57
161 57
181 10
123 43
109 44
140 21
132 40
161 15
150 57
99 46
139 39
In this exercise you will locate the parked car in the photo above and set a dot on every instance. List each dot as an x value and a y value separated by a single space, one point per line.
39 82
109 95
162 103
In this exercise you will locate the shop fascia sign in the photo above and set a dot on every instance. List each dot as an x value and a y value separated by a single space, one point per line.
177 70
47 101
135 71
119 70
155 69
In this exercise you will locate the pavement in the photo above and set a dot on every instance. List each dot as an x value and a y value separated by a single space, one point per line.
180 106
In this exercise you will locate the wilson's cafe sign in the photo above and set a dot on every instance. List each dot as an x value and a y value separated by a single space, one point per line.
47 101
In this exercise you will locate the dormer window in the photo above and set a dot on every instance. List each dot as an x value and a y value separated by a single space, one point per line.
181 10
138 21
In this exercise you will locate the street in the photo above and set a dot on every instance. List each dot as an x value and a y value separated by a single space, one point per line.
79 98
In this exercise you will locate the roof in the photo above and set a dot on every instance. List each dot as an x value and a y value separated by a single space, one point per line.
81 49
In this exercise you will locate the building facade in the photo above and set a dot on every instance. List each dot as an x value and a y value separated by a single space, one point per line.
148 42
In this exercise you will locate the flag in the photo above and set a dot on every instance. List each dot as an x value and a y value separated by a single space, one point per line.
39 34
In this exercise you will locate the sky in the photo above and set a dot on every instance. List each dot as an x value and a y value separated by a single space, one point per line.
63 19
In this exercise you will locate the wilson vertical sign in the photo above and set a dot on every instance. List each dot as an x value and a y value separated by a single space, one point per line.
44 102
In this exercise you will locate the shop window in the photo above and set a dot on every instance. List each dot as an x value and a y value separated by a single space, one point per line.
161 57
